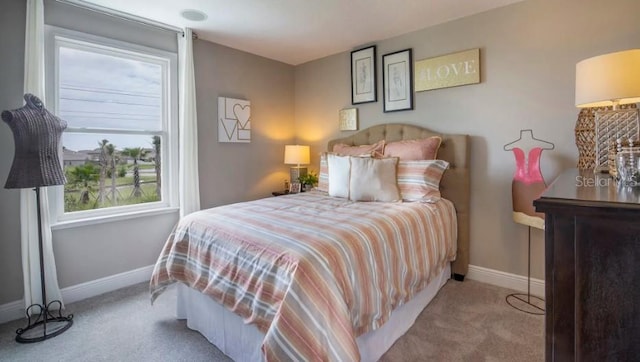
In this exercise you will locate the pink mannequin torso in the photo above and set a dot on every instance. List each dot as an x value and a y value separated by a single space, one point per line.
528 183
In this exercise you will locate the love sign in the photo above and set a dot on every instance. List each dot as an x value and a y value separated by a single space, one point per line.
448 70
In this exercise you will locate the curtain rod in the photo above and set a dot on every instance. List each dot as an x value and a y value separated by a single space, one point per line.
124 16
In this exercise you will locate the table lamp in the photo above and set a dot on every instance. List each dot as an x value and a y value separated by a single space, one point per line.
296 155
610 80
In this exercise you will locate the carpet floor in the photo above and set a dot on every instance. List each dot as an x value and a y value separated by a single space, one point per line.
467 321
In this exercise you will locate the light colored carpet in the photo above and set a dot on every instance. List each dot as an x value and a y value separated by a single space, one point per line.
467 321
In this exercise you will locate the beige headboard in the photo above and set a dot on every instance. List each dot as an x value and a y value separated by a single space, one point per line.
455 184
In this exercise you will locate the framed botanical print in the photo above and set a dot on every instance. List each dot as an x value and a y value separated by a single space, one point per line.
363 75
397 80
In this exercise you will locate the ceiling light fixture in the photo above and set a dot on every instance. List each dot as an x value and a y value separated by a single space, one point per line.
193 15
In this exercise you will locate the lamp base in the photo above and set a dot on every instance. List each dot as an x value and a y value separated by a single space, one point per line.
45 325
296 172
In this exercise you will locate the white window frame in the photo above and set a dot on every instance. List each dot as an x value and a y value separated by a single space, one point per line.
57 37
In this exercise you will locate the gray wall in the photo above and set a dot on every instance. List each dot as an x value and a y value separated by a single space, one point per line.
528 56
233 172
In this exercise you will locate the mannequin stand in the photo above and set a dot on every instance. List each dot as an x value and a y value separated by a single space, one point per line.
523 302
45 324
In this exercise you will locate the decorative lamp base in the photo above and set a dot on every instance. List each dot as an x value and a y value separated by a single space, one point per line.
296 172
46 324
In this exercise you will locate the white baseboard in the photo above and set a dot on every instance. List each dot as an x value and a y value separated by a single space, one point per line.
505 280
15 310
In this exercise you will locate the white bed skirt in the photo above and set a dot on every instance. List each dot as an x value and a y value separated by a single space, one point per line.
242 341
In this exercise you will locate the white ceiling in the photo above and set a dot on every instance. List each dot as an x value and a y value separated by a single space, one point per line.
297 31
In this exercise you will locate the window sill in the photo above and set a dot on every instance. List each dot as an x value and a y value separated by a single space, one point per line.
66 224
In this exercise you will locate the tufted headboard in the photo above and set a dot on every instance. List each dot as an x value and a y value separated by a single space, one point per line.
455 184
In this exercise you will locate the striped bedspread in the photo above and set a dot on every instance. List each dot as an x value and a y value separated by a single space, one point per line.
311 271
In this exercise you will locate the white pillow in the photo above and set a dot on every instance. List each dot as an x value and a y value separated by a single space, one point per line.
339 169
373 179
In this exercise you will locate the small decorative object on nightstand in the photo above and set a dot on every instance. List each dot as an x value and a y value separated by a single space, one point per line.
308 181
294 187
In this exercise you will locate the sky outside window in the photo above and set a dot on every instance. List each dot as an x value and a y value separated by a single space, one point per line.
106 92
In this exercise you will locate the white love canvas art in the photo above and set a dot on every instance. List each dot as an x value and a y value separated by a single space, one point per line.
234 120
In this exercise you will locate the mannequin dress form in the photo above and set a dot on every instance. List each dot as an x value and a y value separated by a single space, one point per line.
527 185
36 164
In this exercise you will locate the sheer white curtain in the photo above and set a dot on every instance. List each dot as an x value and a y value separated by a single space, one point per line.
189 183
34 84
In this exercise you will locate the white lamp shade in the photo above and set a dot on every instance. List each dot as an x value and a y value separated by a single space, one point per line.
608 79
296 155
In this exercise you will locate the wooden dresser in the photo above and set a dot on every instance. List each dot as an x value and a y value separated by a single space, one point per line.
592 270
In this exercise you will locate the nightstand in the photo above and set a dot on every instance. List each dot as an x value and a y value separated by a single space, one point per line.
279 193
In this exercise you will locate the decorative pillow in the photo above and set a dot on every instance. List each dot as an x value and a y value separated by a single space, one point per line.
373 179
420 149
420 180
364 150
323 176
339 168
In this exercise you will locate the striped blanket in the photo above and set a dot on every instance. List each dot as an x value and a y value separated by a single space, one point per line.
311 271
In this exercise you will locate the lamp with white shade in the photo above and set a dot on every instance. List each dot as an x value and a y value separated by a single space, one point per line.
610 80
296 155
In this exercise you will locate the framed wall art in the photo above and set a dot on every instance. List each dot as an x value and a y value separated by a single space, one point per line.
234 120
363 75
397 80
348 119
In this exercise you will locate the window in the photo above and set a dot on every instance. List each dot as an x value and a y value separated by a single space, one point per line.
119 148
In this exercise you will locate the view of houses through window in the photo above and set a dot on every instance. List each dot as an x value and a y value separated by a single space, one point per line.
107 176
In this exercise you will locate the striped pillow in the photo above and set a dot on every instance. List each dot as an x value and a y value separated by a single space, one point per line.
420 180
323 177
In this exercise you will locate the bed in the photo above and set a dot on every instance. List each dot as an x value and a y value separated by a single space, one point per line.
314 277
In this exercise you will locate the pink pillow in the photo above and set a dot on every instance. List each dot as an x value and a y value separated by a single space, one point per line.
421 149
364 150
